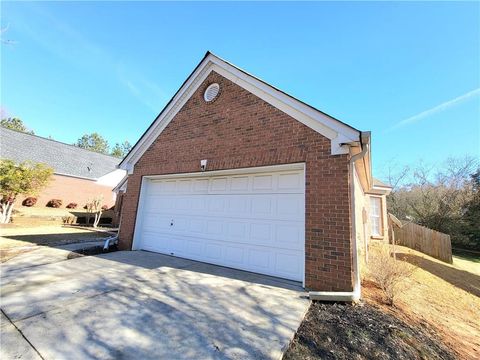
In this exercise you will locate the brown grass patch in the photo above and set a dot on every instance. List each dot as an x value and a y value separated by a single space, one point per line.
440 297
16 240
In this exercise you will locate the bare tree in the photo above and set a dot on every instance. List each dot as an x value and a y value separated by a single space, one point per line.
94 208
437 198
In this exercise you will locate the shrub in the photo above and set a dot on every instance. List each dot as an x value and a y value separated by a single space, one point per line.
72 205
29 201
69 220
105 207
389 274
54 203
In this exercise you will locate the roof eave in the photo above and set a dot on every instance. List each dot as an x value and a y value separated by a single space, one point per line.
337 131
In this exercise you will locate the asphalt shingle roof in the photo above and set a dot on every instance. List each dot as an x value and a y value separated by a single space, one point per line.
63 158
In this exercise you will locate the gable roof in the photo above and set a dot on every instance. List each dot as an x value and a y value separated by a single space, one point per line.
338 132
63 158
381 184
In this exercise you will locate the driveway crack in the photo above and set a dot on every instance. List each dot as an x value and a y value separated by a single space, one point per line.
22 334
59 307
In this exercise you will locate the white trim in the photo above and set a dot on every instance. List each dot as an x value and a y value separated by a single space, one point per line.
252 170
381 229
76 177
247 170
122 185
347 296
138 220
381 187
333 129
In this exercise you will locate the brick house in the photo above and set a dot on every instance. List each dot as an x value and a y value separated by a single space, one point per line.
79 174
237 173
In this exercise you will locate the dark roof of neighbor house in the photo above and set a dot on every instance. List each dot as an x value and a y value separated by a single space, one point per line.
65 159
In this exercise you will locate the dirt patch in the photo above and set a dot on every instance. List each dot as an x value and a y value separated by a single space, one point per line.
362 331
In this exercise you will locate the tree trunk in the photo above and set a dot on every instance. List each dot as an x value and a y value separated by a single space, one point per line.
7 208
98 215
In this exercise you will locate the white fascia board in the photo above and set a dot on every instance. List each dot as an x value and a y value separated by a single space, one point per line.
333 129
325 125
121 186
166 116
113 178
75 176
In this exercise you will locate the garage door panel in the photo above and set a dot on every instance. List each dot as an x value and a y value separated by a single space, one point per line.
238 205
287 264
261 234
234 255
253 222
154 222
281 234
200 186
262 205
219 184
213 251
184 186
194 248
259 259
236 230
263 182
216 203
288 236
290 181
239 183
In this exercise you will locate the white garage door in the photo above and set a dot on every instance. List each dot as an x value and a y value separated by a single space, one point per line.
250 221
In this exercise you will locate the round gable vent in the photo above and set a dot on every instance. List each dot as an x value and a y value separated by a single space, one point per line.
211 92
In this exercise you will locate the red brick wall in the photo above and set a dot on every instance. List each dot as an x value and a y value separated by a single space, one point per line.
70 189
240 130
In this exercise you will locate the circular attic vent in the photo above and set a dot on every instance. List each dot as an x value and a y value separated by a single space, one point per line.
211 92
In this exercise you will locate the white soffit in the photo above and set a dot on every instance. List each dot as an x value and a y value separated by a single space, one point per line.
331 128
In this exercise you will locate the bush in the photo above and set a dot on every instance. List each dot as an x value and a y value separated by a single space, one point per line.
389 274
69 220
72 205
29 201
54 203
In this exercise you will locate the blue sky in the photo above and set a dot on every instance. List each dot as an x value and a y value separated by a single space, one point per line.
408 72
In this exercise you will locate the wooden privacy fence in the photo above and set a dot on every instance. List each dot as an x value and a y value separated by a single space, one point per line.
425 240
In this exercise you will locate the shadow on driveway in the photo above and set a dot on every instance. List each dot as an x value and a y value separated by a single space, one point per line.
141 305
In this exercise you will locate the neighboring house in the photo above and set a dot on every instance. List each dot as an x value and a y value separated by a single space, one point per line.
237 173
79 174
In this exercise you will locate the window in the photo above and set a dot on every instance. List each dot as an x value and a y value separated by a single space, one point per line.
376 215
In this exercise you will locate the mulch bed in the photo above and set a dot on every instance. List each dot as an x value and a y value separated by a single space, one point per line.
361 331
92 250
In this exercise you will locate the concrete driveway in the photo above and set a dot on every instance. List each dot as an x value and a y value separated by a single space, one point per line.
141 305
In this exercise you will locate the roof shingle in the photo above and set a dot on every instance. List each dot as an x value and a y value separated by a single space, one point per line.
63 158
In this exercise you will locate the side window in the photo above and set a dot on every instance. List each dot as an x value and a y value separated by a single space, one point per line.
376 216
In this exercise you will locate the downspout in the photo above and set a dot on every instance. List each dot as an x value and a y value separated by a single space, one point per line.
355 294
356 266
